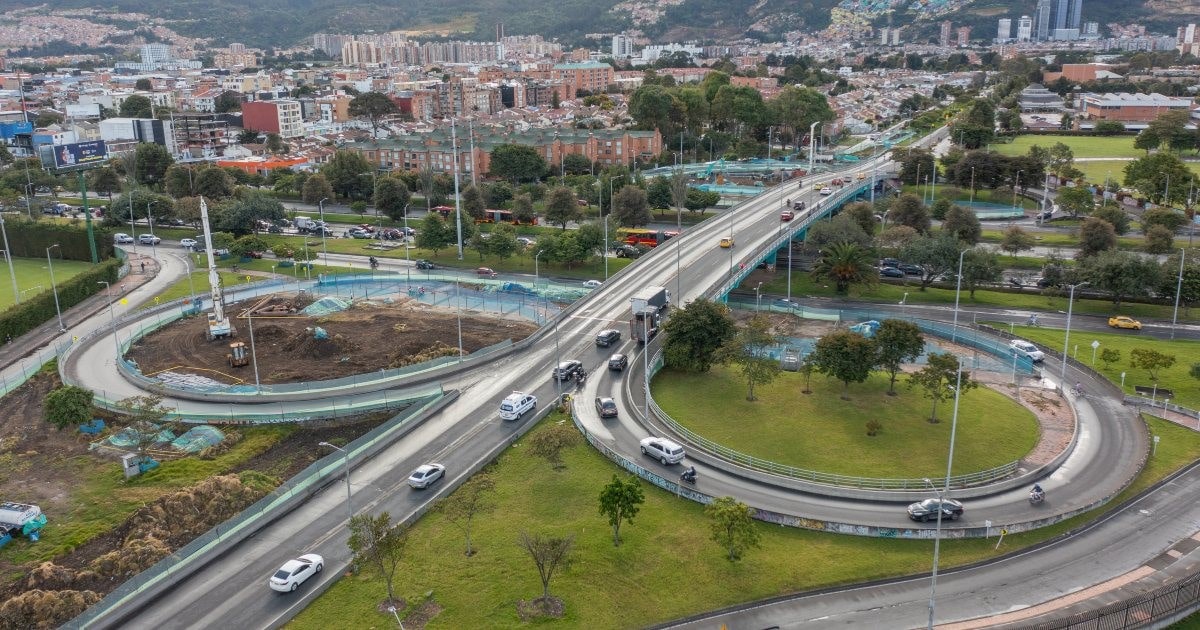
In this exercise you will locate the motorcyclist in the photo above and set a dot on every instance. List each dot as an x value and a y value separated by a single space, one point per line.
1033 320
1037 493
689 474
374 262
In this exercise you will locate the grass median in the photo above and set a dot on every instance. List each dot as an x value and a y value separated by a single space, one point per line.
33 277
666 567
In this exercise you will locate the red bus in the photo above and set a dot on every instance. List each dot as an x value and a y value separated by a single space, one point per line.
642 236
504 216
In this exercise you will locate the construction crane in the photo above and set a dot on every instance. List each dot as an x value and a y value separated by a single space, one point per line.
219 325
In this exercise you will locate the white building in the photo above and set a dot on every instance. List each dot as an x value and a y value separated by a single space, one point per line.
622 46
1024 28
155 53
1004 30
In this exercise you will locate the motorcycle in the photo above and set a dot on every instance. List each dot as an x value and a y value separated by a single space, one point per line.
374 263
1036 497
689 475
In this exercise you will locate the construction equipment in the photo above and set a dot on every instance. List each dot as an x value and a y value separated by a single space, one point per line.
238 355
219 325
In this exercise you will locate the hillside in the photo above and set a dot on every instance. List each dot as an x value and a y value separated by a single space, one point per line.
275 23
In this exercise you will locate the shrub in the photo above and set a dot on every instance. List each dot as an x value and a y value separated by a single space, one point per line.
39 309
874 427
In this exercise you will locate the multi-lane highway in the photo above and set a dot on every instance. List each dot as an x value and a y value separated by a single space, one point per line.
231 591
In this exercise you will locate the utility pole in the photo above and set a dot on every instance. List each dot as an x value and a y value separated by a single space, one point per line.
457 200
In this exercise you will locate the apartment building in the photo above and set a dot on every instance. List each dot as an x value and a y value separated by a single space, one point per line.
282 117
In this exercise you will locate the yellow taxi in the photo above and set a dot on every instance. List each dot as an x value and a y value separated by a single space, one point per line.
860 176
727 242
1123 321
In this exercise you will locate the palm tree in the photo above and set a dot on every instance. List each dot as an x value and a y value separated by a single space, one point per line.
845 264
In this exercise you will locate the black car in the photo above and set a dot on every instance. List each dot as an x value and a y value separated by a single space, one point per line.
567 370
927 510
425 264
889 262
910 269
608 337
618 362
890 272
606 407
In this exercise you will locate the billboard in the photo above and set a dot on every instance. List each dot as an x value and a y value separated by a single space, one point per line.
80 154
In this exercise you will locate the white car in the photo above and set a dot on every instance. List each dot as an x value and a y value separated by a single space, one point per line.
425 475
149 239
293 573
826 191
1023 348
121 237
663 450
592 284
187 243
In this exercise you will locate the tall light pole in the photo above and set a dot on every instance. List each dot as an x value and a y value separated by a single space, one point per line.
812 145
1062 378
1016 187
12 274
54 288
346 461
604 220
407 263
957 292
1178 289
758 297
321 209
937 535
112 317
458 302
253 353
972 188
457 198
535 266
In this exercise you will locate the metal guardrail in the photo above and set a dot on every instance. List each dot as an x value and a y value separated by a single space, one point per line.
829 479
1157 609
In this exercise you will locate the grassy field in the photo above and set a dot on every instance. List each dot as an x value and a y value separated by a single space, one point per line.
33 273
636 585
1063 239
886 293
1081 146
985 195
994 430
1174 378
1097 171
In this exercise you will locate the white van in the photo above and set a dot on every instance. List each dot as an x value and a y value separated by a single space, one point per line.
516 404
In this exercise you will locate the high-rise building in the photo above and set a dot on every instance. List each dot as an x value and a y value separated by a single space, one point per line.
1004 29
156 53
895 35
1024 28
622 46
944 34
1074 13
883 36
1067 14
1187 40
964 35
1041 20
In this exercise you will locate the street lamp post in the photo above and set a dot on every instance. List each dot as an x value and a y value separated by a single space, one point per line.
112 317
604 220
346 461
957 292
972 187
758 297
458 303
54 288
321 209
937 535
535 266
812 146
1016 187
12 274
1062 378
1178 288
407 263
253 353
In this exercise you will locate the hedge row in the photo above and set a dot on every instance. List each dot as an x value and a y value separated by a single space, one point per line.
26 316
29 239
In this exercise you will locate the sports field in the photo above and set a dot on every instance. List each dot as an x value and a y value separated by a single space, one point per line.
1081 146
33 277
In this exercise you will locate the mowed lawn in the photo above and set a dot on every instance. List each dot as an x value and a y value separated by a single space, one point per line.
1096 172
1081 146
1176 378
33 277
666 567
822 432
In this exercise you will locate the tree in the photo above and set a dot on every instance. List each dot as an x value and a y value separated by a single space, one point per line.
105 181
1150 360
551 554
845 264
1076 200
1095 236
1189 287
1016 240
963 224
391 197
522 208
914 163
1115 216
144 414
136 106
214 183
1108 128
745 349
472 202
561 206
549 442
473 498
68 406
503 242
695 333
372 106
842 228
939 377
1171 128
907 209
896 342
1121 274
620 502
377 543
1159 240
316 188
247 244
1108 356
658 193
344 172
434 234
143 85
227 102
1059 158
1150 175
846 356
937 254
732 526
862 214
629 206
1163 217
979 267
152 161
239 216
517 163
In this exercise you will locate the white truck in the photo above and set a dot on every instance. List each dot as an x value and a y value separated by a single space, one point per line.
305 224
648 307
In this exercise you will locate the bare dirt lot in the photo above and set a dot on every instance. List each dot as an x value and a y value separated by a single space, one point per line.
364 338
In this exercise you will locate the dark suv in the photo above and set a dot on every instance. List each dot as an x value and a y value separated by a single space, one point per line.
618 362
566 370
608 337
425 264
